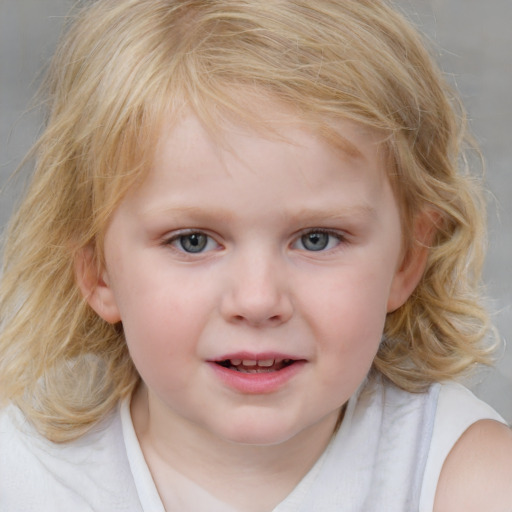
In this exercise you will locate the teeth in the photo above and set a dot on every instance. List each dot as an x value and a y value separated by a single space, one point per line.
251 364
266 363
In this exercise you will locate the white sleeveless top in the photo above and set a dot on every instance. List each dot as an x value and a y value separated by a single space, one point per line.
386 457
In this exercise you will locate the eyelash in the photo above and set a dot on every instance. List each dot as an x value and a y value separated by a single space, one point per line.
331 234
204 241
176 241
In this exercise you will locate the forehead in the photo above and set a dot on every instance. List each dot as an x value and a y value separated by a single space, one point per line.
178 136
271 122
286 162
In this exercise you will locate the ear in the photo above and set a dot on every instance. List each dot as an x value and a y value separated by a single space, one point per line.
414 260
94 285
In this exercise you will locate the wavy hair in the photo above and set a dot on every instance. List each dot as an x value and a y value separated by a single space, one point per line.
125 66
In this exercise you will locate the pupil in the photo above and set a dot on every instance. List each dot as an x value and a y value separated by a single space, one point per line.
315 241
194 242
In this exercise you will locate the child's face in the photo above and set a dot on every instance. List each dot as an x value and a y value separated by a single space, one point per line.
253 284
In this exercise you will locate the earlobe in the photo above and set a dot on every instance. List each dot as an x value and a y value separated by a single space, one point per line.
413 264
95 287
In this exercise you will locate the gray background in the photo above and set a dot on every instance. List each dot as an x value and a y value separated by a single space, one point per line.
473 42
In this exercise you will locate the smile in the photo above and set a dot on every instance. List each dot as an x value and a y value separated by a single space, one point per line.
251 373
255 366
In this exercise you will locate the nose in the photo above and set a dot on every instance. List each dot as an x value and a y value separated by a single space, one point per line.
257 292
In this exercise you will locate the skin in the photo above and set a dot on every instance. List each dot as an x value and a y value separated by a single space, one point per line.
477 474
302 258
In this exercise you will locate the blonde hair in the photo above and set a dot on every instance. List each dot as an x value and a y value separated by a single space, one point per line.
123 67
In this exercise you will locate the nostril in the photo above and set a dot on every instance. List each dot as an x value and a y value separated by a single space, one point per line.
275 319
255 309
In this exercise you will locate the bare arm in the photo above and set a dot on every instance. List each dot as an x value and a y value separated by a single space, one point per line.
477 474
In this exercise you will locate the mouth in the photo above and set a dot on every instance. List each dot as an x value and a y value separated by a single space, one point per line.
256 365
251 373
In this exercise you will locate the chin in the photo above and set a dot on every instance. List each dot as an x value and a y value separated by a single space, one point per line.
259 439
259 433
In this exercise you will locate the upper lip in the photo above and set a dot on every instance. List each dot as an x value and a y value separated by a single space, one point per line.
257 356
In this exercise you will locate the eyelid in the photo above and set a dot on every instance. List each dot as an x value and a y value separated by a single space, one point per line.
172 240
340 235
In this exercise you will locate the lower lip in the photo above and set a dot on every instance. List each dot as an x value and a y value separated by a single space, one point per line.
257 383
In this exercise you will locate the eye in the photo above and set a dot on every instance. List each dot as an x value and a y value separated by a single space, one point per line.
193 242
318 240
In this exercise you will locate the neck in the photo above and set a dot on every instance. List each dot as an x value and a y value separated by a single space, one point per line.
253 478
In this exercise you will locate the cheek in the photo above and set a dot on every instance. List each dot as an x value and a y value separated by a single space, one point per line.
349 320
353 303
162 326
162 349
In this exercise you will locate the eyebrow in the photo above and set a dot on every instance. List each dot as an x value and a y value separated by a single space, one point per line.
194 212
359 212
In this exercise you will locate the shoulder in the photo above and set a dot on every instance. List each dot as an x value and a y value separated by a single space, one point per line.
90 473
477 474
457 415
12 423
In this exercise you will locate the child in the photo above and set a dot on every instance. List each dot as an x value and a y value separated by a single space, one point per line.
246 271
